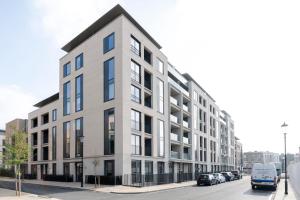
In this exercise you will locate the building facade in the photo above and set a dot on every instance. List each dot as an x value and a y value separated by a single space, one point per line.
2 148
238 154
137 113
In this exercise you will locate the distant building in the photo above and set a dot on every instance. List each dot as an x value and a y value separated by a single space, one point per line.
289 157
297 156
258 157
10 128
238 154
2 143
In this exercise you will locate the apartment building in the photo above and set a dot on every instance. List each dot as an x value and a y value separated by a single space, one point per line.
124 109
238 154
227 141
2 148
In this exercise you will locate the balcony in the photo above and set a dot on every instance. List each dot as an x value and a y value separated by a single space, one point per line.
174 154
173 119
185 108
174 137
174 101
186 156
185 140
185 124
176 85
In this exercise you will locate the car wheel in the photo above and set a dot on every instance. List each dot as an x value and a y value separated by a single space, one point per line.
253 187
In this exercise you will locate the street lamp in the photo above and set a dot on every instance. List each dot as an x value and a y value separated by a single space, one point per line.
284 127
81 141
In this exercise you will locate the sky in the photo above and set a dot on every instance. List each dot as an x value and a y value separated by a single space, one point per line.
245 54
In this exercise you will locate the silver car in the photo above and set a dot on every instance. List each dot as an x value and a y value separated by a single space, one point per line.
219 177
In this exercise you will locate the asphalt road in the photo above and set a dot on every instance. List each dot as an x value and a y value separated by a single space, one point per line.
294 174
235 190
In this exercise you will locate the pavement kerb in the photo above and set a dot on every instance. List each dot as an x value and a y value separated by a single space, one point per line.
150 191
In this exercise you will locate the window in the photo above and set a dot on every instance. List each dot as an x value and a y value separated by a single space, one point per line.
54 169
147 100
160 66
135 94
67 98
135 120
148 124
45 153
109 43
45 135
67 69
204 102
148 80
79 61
147 56
54 143
200 99
148 171
160 167
34 122
195 96
195 116
136 171
196 147
135 71
160 96
148 147
109 131
45 118
109 79
79 93
161 134
54 115
66 139
78 134
34 154
135 144
66 169
135 46
34 139
109 167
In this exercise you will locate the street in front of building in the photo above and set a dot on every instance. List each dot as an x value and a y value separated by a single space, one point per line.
234 190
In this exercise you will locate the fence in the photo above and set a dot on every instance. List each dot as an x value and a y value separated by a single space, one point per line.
105 180
141 180
60 178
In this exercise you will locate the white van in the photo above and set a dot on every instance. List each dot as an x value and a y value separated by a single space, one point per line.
264 175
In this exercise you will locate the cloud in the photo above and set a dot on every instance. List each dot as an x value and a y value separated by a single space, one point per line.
14 103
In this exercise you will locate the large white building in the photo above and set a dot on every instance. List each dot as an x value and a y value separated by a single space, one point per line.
137 113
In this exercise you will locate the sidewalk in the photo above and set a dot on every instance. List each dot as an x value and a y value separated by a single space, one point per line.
280 192
119 189
6 194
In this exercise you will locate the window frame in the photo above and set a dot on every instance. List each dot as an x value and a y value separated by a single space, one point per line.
80 56
113 43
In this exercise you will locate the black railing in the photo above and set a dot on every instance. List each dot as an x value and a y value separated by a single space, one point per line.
182 177
105 180
29 176
141 180
59 178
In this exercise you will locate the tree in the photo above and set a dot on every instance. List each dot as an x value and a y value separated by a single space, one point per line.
16 154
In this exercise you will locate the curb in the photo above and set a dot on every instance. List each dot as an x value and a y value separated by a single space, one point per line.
150 191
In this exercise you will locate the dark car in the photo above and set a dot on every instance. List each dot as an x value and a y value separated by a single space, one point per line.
206 179
228 176
237 174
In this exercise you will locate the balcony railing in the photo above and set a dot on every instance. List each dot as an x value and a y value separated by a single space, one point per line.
173 118
185 108
174 137
174 154
186 156
176 85
185 140
185 124
174 101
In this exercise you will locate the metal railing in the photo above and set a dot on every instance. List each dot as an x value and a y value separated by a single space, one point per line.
174 154
174 101
173 118
185 140
174 137
185 124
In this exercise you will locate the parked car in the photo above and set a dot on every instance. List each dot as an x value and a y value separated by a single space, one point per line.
237 174
228 176
220 178
206 179
264 175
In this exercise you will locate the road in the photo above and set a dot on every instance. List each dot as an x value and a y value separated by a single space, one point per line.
235 190
294 174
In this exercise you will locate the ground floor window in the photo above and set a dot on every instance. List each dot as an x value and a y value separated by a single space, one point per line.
136 171
160 167
109 167
66 169
54 169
